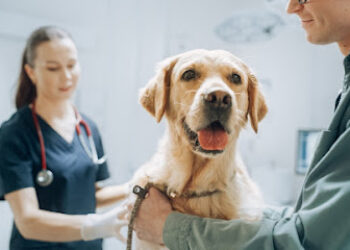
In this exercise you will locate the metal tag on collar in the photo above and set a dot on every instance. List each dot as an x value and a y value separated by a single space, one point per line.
139 191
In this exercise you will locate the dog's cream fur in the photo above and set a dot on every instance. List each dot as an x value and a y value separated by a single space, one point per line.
177 168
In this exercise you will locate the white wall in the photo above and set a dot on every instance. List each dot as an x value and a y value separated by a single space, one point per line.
120 43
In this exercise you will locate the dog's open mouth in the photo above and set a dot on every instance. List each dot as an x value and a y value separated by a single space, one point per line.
211 139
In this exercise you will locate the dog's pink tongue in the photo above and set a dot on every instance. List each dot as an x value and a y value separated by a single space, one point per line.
212 139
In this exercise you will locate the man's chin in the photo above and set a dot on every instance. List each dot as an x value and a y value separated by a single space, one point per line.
318 39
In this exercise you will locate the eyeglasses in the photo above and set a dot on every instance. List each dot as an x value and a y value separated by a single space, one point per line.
302 1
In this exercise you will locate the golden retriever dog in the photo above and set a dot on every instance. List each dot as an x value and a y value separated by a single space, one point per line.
207 97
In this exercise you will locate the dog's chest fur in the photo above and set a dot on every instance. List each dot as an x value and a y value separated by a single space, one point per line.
207 187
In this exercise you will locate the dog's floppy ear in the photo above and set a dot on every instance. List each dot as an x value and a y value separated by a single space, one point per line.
257 106
155 95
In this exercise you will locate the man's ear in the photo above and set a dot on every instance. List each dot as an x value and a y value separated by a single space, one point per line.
257 106
154 96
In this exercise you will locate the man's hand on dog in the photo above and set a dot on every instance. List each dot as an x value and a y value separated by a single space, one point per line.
151 217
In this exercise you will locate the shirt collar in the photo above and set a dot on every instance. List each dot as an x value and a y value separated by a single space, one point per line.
347 73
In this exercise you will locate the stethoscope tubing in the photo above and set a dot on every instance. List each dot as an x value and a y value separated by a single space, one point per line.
45 176
41 138
92 153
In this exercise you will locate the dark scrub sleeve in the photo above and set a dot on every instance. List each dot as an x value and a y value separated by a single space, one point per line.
15 162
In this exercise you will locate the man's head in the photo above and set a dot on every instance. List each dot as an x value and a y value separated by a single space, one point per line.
325 21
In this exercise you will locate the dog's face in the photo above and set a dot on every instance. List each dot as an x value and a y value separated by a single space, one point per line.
207 97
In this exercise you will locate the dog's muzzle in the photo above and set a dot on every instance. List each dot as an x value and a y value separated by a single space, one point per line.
212 136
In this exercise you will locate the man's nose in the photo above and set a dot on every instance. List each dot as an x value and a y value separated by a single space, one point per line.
293 6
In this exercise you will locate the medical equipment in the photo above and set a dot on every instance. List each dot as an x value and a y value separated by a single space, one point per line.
45 176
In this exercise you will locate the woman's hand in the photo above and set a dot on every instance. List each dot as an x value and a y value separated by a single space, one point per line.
103 225
151 217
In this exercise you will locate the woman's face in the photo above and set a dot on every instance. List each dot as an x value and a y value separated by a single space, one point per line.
56 69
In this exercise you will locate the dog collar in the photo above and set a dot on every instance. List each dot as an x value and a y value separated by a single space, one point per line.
193 194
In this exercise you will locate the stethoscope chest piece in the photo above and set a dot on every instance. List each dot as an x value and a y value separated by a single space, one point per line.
44 178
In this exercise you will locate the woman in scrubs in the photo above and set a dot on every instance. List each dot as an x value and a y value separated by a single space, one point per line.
60 215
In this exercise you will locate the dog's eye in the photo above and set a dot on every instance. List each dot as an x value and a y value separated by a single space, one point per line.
189 75
234 78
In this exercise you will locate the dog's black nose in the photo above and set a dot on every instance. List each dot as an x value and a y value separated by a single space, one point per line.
218 99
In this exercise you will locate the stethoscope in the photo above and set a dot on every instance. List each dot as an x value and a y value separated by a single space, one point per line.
45 176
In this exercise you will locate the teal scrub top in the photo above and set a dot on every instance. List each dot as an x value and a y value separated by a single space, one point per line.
320 219
73 188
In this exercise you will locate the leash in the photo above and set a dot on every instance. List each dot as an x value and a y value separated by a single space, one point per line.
141 194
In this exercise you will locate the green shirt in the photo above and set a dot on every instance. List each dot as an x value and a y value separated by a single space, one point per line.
320 219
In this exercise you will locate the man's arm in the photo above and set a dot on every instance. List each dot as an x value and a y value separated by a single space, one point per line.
157 222
190 232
